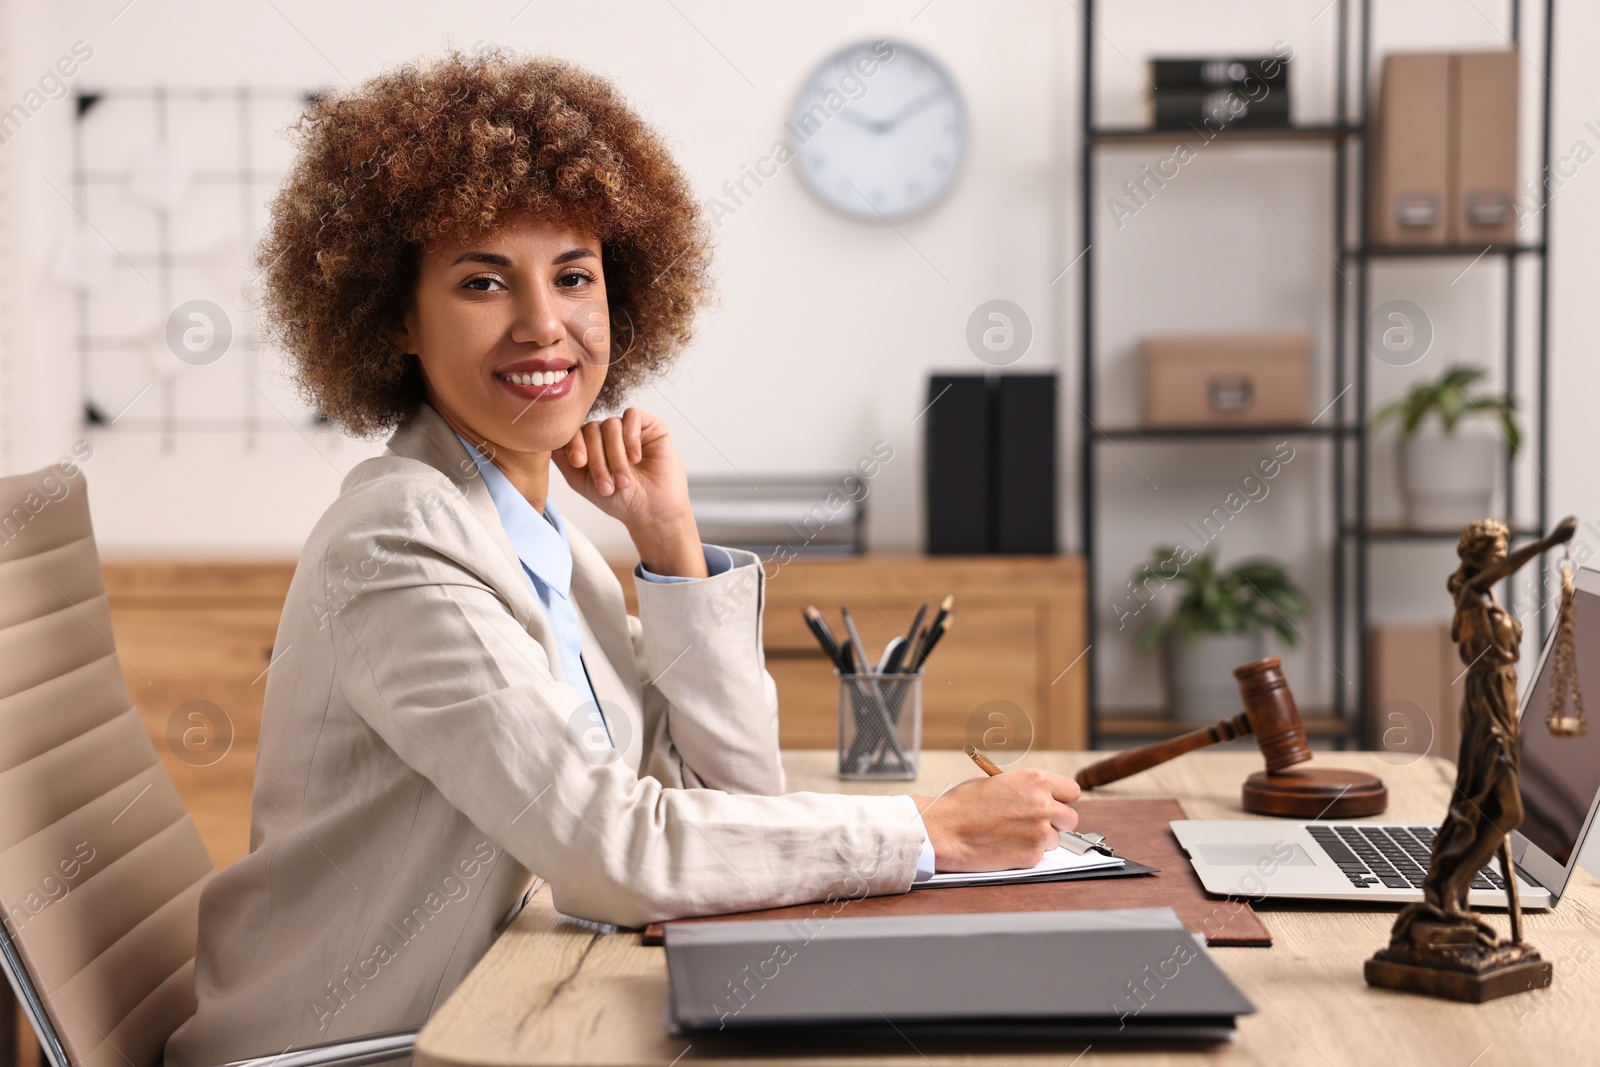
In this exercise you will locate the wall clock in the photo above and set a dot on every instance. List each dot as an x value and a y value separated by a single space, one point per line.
879 130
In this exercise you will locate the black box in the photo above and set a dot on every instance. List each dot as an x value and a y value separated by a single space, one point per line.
1225 72
1183 109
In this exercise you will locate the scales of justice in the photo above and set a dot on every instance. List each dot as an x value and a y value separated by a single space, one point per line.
1441 947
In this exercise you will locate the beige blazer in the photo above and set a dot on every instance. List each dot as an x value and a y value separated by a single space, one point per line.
422 758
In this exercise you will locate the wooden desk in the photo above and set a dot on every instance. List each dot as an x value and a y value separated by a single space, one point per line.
552 991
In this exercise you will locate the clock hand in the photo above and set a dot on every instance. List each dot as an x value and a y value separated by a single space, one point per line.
850 116
905 112
884 125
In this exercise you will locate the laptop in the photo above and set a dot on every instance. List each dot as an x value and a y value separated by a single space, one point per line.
1373 861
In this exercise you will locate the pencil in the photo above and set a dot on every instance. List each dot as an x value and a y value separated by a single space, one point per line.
981 760
824 636
933 639
1071 840
912 637
932 634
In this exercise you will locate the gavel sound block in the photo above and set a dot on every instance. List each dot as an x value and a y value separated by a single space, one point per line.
1270 716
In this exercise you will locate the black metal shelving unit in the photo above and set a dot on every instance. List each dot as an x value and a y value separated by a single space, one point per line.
1354 535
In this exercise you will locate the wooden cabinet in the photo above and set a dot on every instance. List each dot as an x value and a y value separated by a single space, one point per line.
196 639
1009 663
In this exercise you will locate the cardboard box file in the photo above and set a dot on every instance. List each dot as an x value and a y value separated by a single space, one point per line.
1417 680
1485 123
1411 152
1444 150
1225 379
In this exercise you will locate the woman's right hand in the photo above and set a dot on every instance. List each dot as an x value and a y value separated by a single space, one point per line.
999 822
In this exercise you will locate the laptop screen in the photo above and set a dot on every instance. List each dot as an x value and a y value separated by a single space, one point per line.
1561 775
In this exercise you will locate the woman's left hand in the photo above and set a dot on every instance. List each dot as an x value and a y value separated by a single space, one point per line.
629 469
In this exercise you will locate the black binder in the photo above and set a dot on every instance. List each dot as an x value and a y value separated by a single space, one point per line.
991 464
1024 501
958 462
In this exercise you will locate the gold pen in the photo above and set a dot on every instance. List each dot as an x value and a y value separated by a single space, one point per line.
981 760
1071 840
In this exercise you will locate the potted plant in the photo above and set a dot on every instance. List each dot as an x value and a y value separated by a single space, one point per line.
1447 479
1219 623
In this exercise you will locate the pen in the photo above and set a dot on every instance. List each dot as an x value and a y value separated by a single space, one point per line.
1071 840
893 652
847 659
855 639
908 652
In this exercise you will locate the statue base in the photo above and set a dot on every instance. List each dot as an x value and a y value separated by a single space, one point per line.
1453 961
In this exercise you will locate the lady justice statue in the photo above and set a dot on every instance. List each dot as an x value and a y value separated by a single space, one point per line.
1440 946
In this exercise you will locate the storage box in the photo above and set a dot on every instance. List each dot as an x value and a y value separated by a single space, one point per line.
1418 681
1225 379
1444 150
1411 152
1485 123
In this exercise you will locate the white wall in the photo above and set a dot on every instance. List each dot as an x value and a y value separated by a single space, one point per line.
826 328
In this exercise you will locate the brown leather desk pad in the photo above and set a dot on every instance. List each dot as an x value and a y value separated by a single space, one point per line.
1137 829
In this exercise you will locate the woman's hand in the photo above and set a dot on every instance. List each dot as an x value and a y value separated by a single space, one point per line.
629 469
1001 822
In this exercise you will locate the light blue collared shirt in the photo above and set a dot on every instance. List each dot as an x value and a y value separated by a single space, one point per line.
925 858
543 547
546 554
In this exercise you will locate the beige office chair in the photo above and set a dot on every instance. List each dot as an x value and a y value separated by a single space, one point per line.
101 866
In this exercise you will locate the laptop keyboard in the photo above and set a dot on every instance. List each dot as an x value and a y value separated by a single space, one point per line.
1395 856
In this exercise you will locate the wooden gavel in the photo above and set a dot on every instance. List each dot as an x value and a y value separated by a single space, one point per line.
1270 716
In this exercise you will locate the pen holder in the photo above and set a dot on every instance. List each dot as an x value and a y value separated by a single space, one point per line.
880 725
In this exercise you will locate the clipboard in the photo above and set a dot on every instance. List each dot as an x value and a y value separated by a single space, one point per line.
1129 867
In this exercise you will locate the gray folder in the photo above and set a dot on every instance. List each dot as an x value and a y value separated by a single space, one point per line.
1134 973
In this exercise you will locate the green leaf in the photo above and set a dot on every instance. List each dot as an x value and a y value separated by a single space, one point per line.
1508 423
1446 397
1251 596
1417 406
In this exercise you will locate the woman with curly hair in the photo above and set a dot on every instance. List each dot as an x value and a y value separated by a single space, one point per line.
474 253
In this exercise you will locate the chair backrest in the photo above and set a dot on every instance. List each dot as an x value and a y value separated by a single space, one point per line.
101 866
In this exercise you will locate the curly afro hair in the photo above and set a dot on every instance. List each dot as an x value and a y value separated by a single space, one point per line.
448 146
